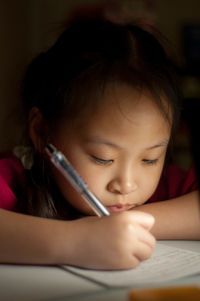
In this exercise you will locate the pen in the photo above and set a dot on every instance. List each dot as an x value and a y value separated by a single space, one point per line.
69 172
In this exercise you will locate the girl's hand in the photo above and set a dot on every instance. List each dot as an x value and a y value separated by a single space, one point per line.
119 241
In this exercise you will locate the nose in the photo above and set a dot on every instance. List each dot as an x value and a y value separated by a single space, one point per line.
122 185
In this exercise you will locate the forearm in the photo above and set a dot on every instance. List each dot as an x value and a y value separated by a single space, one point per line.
89 242
177 218
34 240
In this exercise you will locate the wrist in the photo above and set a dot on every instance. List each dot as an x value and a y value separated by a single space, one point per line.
63 242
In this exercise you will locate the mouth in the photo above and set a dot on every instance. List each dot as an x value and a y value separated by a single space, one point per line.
119 208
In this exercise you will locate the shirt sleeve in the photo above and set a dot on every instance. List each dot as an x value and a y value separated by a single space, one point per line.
175 182
11 180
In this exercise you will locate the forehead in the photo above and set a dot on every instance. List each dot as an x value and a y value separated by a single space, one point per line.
121 103
122 112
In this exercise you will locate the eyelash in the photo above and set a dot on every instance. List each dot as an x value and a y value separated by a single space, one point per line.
106 162
102 161
150 162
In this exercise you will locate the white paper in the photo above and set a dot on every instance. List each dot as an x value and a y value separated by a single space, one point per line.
166 264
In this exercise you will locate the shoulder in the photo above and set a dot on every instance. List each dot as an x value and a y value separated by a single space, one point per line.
12 179
175 182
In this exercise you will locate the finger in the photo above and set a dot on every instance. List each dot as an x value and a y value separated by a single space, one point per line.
145 236
143 251
146 220
141 235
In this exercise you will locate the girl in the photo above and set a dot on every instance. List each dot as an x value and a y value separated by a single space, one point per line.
106 96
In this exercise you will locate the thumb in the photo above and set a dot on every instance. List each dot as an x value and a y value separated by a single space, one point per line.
146 220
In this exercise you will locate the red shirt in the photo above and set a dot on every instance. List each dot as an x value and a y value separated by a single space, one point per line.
174 182
12 180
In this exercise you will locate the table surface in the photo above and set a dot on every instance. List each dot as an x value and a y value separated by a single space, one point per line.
25 282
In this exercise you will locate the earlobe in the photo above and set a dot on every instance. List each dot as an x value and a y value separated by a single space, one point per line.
37 129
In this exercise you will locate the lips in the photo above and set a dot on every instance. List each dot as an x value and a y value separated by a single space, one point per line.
118 208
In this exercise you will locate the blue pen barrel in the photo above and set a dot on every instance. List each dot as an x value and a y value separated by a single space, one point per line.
69 172
94 203
64 166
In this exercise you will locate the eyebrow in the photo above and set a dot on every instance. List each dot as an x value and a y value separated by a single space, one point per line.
161 144
98 140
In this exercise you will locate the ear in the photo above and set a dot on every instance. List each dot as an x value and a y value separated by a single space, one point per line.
37 129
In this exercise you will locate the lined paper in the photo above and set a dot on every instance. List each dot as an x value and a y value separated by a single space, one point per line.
167 263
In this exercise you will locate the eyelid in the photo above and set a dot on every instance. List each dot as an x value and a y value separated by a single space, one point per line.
101 161
150 161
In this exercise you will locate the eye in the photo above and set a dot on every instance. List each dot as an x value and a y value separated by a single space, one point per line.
102 161
150 162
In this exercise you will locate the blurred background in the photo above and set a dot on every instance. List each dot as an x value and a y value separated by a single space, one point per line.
30 26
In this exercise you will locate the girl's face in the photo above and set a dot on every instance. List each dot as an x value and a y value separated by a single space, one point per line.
119 150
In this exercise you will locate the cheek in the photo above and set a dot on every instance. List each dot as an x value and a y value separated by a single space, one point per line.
95 178
150 183
95 181
92 174
71 195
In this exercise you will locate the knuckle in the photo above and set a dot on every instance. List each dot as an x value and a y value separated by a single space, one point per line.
135 262
153 242
147 254
123 223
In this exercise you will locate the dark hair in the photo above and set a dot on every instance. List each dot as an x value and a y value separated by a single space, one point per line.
89 55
